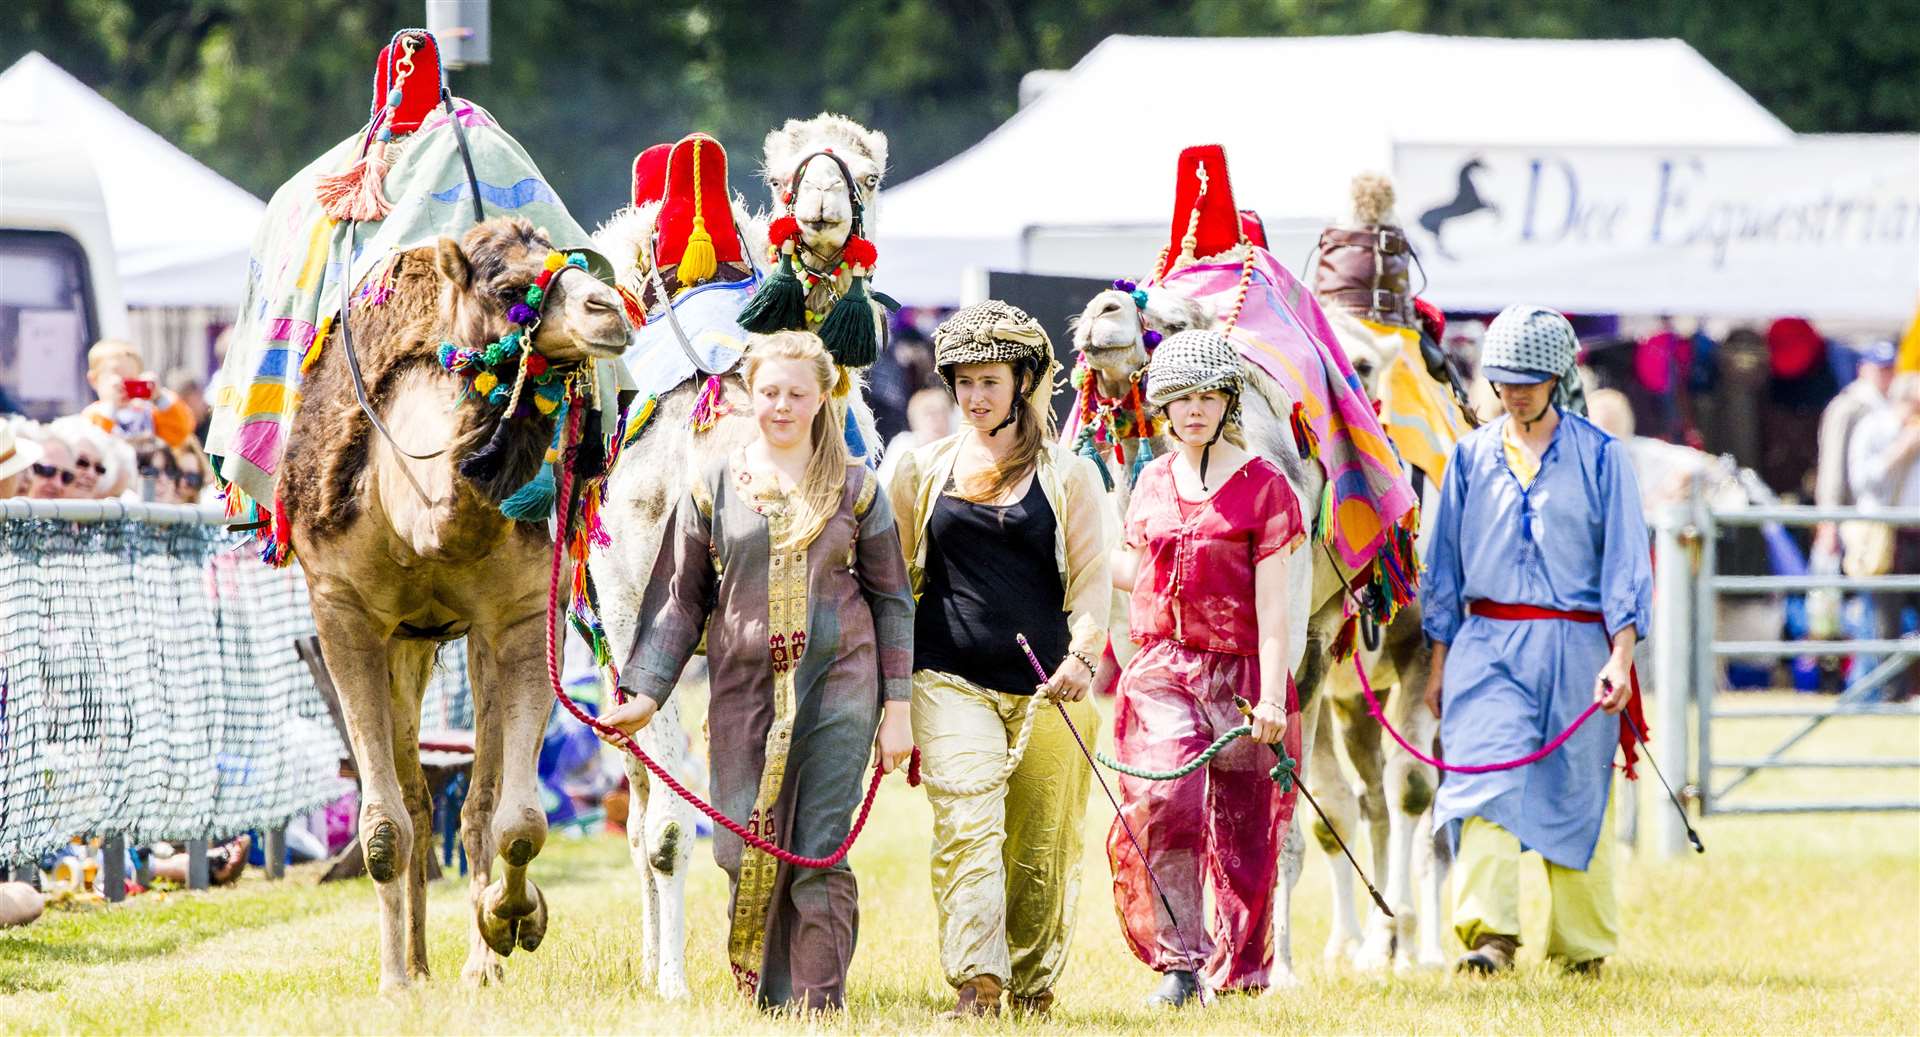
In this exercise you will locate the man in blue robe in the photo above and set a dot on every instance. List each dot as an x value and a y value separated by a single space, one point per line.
1537 587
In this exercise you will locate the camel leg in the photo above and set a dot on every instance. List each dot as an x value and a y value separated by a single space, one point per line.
639 793
1293 850
1362 737
1335 796
408 664
1410 786
356 657
513 662
669 826
1434 858
483 967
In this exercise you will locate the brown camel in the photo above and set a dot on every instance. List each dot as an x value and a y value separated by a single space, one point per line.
402 554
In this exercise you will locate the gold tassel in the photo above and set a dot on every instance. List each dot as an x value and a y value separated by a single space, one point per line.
697 263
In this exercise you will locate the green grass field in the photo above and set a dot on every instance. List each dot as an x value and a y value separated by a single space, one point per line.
1788 924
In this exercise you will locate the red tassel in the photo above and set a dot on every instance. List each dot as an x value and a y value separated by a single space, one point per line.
356 194
782 230
913 768
1343 642
635 315
1303 437
860 252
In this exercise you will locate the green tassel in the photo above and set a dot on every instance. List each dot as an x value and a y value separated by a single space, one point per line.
534 501
848 331
779 304
1141 455
1087 448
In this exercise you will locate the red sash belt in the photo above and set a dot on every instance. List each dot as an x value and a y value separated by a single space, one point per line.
1503 610
1508 611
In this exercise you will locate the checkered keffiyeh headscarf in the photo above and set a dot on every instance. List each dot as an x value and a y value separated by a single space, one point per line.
997 332
990 332
1530 339
1191 362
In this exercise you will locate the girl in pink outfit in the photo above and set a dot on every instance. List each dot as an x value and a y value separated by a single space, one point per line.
1207 534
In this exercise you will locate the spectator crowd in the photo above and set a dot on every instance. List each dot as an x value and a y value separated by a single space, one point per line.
140 440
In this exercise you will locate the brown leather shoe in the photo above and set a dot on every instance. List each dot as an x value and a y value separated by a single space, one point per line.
979 996
1034 1006
1589 968
1491 954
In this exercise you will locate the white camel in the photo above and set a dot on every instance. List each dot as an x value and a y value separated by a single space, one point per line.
651 475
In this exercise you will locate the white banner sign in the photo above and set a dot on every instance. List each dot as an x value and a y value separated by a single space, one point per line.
1823 227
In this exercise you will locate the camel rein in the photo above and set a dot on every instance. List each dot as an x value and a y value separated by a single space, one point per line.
563 501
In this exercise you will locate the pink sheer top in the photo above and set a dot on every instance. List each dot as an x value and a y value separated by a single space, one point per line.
1196 570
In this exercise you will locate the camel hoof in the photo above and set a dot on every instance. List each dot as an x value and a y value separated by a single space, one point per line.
496 930
483 970
1375 954
391 986
382 851
533 926
1340 951
1282 979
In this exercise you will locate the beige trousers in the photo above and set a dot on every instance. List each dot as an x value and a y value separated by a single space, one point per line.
1006 862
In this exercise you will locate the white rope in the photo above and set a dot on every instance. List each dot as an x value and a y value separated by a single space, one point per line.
1015 754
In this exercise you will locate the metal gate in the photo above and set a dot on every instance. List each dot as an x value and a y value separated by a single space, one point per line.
1687 661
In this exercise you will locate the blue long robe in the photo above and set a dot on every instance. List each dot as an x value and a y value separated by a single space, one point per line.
1573 540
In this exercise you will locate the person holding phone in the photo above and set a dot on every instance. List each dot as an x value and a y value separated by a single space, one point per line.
129 400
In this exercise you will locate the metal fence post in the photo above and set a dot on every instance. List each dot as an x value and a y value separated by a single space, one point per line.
1706 630
113 868
275 852
1673 647
197 877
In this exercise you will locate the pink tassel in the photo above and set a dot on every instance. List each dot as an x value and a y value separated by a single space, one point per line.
711 406
356 194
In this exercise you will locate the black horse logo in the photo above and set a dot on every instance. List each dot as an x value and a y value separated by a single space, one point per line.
1466 200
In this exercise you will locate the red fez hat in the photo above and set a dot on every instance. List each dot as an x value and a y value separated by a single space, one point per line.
1205 222
650 174
418 77
696 215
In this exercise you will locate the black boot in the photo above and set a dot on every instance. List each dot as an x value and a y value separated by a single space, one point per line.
1178 988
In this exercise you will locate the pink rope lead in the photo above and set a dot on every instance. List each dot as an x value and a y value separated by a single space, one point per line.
1373 706
553 676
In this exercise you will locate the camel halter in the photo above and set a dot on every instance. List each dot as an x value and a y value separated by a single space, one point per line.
856 225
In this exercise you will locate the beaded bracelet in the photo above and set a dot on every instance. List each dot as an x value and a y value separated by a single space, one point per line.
1084 659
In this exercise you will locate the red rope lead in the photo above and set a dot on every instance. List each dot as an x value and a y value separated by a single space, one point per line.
1373 706
567 703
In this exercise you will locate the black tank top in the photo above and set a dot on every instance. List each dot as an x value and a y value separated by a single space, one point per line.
990 575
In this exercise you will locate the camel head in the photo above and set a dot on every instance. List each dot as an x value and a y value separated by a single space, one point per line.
1369 351
819 200
1112 333
489 269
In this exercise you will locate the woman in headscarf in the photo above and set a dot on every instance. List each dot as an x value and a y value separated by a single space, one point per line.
1004 534
1208 531
784 553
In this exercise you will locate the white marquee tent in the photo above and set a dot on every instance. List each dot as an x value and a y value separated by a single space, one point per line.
181 232
1081 180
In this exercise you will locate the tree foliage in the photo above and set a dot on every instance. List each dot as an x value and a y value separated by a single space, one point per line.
256 88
